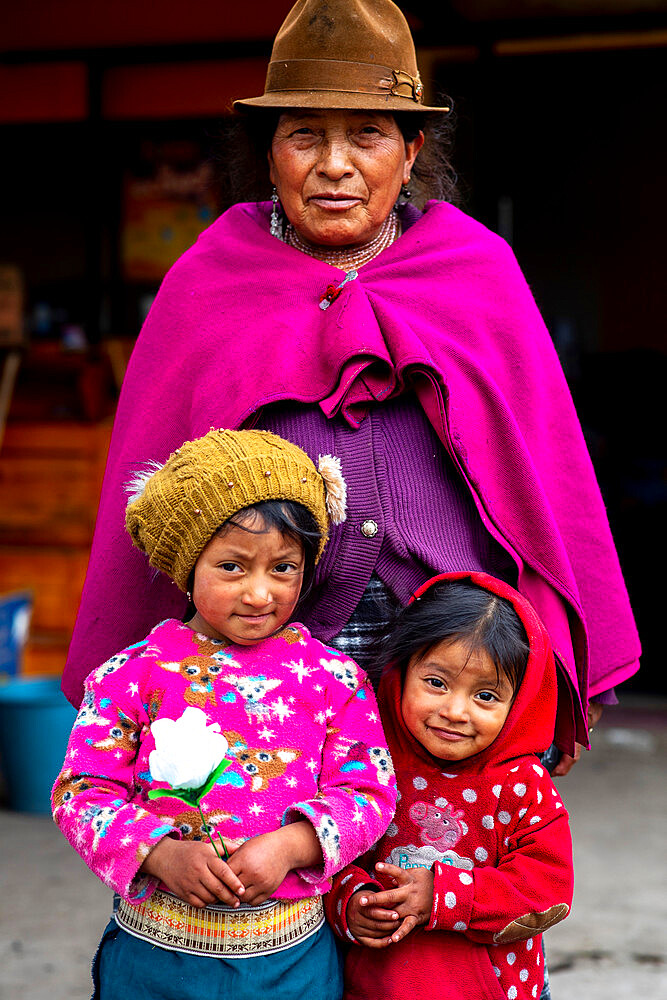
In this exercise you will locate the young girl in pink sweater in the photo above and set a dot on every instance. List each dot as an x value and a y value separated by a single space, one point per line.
220 771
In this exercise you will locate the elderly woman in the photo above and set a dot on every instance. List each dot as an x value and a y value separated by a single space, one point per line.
404 341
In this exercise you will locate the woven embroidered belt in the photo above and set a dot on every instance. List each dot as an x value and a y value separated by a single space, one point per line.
219 930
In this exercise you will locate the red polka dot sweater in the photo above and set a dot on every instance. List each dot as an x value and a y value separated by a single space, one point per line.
495 833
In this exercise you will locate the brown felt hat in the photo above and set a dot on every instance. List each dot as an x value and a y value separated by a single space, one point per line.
176 508
349 54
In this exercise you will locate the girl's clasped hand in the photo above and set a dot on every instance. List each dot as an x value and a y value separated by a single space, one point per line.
378 919
193 871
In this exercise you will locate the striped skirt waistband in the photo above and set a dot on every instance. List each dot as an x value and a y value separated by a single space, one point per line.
221 931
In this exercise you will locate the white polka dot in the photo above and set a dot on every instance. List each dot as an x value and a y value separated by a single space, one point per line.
511 958
392 830
523 975
554 792
559 805
511 993
469 794
460 926
445 775
522 813
464 826
465 878
441 803
506 841
339 907
504 818
481 854
529 944
538 957
347 878
399 795
419 782
538 770
487 822
497 789
496 970
533 992
539 796
535 819
450 900
513 769
520 789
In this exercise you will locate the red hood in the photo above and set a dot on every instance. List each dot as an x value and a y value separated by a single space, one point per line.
530 724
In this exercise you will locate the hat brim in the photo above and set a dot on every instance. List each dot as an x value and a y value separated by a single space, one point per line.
333 100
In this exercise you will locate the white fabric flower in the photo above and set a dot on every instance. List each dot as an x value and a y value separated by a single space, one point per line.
186 751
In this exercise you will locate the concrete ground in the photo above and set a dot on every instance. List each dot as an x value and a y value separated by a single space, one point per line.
612 947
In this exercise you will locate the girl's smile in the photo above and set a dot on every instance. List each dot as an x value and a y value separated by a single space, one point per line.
455 702
246 583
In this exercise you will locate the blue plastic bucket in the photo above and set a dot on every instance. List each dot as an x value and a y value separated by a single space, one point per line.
35 723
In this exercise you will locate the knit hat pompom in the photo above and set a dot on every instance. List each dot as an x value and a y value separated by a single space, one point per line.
176 508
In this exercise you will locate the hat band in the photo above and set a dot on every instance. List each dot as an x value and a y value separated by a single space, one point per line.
342 76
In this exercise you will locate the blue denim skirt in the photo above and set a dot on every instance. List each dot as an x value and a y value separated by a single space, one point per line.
126 966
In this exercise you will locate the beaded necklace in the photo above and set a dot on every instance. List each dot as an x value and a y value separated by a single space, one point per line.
348 258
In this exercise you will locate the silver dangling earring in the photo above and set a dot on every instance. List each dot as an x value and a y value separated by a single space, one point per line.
276 224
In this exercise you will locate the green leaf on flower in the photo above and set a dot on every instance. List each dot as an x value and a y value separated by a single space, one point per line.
182 794
191 796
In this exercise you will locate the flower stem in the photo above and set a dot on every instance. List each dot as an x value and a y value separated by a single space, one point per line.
205 826
223 847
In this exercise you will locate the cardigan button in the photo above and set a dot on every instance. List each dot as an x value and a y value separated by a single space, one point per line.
369 529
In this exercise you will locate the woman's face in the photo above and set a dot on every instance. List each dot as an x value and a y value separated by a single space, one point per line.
338 173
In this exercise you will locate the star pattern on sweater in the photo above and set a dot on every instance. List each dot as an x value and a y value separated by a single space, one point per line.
299 668
281 710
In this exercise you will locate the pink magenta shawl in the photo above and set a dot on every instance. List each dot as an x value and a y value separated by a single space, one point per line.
238 324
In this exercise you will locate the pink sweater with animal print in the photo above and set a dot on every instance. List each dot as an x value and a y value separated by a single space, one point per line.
305 742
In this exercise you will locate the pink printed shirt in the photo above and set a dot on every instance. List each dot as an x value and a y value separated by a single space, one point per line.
305 742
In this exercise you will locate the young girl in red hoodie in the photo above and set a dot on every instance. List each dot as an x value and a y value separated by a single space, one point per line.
478 860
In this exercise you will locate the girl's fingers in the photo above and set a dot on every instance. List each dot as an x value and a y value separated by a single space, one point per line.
385 900
370 942
381 928
228 878
225 895
400 876
377 914
407 925
198 899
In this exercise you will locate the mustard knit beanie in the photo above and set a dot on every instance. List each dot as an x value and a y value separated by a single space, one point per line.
176 508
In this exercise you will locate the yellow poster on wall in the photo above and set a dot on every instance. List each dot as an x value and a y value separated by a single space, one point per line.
162 216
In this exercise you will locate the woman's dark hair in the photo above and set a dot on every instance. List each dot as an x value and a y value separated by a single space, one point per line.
242 168
460 611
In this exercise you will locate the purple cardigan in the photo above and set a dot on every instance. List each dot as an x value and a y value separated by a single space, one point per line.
238 325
